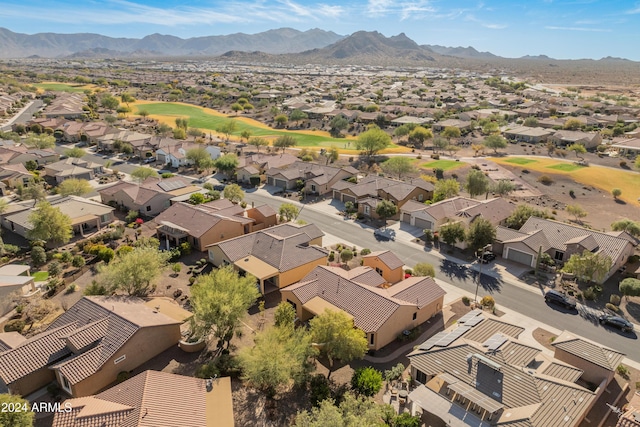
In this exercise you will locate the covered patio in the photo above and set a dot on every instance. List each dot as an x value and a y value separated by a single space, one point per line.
266 274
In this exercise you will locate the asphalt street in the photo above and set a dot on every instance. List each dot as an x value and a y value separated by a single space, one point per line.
528 302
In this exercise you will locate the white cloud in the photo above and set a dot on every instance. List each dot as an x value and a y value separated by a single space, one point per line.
404 10
634 11
484 24
594 30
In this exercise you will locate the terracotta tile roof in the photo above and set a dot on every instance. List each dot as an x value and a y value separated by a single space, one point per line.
388 258
150 399
494 210
563 372
198 220
366 276
489 327
420 291
88 334
448 208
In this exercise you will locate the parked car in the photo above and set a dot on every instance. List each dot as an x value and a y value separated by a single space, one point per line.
219 187
559 298
163 171
150 160
487 257
616 321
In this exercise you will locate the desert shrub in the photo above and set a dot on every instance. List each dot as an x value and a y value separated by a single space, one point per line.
106 254
488 301
124 249
131 216
319 389
612 307
435 157
185 248
408 271
366 381
16 325
614 299
95 289
77 261
332 256
365 251
623 164
346 255
589 294
71 288
572 194
545 179
466 300
66 257
622 370
54 269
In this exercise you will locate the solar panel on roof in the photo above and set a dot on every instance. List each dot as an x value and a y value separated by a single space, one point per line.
171 185
494 342
452 336
432 341
474 321
473 314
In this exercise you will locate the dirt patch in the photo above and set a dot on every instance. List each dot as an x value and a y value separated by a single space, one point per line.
544 337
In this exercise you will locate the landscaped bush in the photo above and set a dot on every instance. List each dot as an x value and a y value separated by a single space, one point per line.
346 255
366 381
365 251
78 261
16 325
589 294
614 299
319 389
185 248
545 179
332 256
38 256
466 300
622 370
623 164
612 307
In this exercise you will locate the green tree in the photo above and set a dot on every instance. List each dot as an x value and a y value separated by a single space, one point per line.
142 172
332 155
572 124
588 266
503 187
200 157
281 120
220 300
577 211
284 315
233 193
625 224
578 149
452 233
48 223
337 125
127 98
179 133
445 189
144 114
227 164
337 338
297 116
629 287
236 107
76 152
531 122
366 381
480 233
439 144
521 214
109 102
477 182
284 142
38 255
451 132
135 272
197 199
164 129
182 123
227 128
423 269
616 192
346 255
352 412
495 142
258 142
405 420
40 142
20 416
402 131
74 187
372 141
34 190
398 165
280 357
419 135
287 212
386 209
245 134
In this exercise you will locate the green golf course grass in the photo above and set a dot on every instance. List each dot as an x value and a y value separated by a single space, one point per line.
566 167
201 119
519 160
445 165
62 87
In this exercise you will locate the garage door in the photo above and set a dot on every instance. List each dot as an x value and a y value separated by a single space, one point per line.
269 181
521 257
424 224
406 217
281 183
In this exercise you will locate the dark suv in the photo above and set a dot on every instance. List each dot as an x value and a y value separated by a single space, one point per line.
560 299
616 321
487 257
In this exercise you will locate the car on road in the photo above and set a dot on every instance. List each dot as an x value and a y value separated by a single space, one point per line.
163 171
616 321
559 298
487 257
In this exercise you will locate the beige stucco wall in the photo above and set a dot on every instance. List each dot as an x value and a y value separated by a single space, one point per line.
32 382
223 230
261 219
145 344
592 372
295 275
391 276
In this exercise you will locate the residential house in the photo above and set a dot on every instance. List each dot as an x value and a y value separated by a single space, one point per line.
478 373
153 398
531 135
432 217
463 125
560 241
627 146
12 153
13 176
385 263
151 197
256 165
176 155
209 223
65 104
317 179
86 215
140 142
15 282
278 256
569 137
88 345
73 168
367 192
84 131
381 309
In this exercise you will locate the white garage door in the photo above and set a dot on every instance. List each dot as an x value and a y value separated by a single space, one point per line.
519 256
423 223
406 217
281 183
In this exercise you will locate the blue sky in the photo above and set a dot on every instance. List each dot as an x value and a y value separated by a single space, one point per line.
561 29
